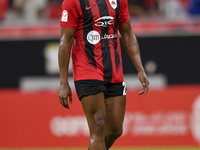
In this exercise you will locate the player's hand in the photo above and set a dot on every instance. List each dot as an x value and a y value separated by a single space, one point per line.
64 93
144 81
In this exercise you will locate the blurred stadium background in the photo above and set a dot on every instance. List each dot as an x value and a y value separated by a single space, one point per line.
168 117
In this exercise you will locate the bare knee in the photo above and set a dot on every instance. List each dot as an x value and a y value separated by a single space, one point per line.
97 134
98 127
115 132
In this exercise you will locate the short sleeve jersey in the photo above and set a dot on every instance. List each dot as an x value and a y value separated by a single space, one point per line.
96 50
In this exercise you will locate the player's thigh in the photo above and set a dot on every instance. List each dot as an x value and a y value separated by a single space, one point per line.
94 109
115 108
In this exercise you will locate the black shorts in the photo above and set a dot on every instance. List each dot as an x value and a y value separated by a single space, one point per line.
90 87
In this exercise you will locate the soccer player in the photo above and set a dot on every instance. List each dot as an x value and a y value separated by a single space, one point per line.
97 64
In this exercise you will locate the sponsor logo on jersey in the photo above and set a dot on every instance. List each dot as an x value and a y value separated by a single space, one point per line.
108 36
87 8
64 16
113 3
93 37
104 21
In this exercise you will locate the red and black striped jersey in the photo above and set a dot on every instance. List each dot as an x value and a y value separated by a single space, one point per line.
96 51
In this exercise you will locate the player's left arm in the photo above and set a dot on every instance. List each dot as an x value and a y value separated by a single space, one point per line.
132 48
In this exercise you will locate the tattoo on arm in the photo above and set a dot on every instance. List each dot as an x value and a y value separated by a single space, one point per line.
131 45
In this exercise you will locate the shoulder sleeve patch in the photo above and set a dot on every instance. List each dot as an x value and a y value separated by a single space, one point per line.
64 16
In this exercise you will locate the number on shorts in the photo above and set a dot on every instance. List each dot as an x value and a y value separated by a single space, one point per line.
125 88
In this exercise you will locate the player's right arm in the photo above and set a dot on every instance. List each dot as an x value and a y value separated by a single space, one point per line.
68 23
63 60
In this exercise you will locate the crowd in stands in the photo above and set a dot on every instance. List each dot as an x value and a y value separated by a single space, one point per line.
29 10
32 10
167 9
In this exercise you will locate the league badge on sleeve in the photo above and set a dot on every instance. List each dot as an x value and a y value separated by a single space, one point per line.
113 3
64 16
